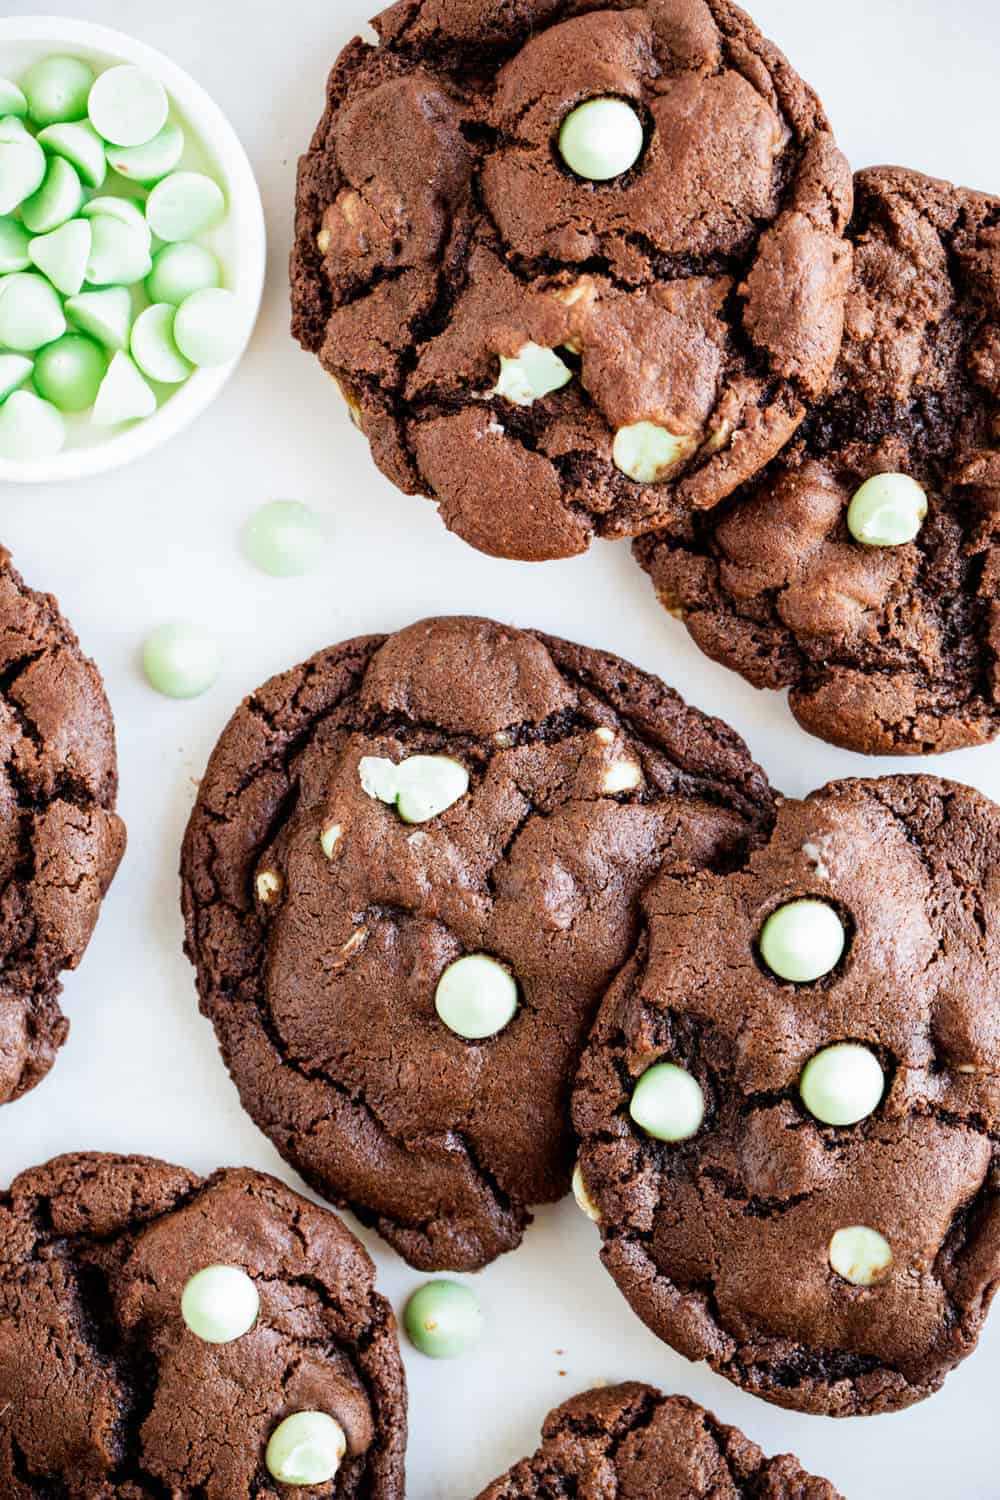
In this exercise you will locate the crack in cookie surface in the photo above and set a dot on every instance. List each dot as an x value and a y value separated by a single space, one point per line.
324 998
631 1440
439 232
722 1242
886 649
60 841
106 1395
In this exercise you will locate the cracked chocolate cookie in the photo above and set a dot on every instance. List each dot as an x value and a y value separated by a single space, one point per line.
411 873
631 1440
577 265
862 571
60 841
162 1334
789 1105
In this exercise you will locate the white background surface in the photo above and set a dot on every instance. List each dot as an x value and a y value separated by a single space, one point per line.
907 81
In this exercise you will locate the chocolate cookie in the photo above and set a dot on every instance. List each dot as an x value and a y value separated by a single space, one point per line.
60 841
160 1334
632 1441
789 1107
411 873
577 265
862 571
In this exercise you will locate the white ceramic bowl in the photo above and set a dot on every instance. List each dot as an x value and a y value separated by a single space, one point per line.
212 146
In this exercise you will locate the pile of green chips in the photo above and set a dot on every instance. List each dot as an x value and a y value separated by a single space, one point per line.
105 294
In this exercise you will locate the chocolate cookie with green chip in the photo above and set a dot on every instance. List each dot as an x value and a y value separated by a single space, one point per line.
862 570
412 871
631 1440
577 265
162 1334
60 839
789 1106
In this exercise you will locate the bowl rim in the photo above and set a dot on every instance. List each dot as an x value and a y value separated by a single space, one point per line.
212 125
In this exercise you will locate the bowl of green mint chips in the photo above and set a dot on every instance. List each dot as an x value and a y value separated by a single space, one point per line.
132 249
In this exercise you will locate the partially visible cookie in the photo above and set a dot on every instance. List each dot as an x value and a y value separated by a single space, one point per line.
630 1440
555 324
412 870
876 602
60 841
789 1107
108 1393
